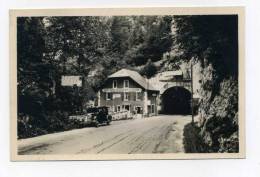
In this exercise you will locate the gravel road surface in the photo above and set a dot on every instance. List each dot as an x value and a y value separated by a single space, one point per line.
159 134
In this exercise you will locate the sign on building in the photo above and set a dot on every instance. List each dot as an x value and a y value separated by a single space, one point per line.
117 95
71 81
168 76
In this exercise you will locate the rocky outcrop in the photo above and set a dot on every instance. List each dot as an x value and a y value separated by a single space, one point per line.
219 112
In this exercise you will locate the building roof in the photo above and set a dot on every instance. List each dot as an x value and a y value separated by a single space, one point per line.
143 82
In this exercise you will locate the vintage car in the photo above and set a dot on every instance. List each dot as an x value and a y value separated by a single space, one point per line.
99 115
94 116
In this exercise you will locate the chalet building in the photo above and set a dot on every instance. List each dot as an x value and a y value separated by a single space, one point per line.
128 90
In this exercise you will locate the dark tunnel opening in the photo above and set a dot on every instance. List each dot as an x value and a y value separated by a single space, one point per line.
176 100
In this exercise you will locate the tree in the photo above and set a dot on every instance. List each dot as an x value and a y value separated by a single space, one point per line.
212 40
120 33
49 47
139 38
75 46
34 83
159 38
149 69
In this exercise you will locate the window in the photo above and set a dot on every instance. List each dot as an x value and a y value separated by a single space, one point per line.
138 109
127 107
114 83
109 96
126 96
126 83
138 96
118 108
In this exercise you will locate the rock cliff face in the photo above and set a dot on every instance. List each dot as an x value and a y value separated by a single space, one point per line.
218 111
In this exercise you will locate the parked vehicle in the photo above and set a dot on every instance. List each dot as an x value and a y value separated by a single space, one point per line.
95 116
99 115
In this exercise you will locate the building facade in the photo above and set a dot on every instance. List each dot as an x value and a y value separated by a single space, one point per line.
127 90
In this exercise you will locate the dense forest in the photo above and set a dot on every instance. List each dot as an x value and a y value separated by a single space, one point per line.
94 47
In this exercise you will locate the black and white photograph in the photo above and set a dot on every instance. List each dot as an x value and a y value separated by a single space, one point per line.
131 85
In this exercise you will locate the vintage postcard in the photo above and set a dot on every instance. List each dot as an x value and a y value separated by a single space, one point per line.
127 83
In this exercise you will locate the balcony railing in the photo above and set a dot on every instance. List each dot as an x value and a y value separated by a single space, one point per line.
112 90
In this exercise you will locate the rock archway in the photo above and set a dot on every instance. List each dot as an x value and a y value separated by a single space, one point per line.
176 100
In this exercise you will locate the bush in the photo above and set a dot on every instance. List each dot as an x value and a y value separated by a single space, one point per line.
192 140
27 128
56 121
149 69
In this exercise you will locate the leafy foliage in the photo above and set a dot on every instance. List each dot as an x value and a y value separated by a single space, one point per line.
149 69
212 40
192 141
93 47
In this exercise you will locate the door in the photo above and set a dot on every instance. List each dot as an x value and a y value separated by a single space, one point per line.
127 107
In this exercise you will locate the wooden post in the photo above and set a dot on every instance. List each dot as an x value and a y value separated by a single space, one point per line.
192 116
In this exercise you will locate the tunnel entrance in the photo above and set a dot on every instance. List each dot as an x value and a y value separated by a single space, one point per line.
176 100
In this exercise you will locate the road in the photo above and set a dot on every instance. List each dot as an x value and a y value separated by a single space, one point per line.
159 134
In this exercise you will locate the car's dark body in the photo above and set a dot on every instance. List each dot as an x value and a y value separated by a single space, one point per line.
94 116
99 115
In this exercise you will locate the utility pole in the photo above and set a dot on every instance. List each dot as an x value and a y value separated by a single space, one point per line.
192 116
147 87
